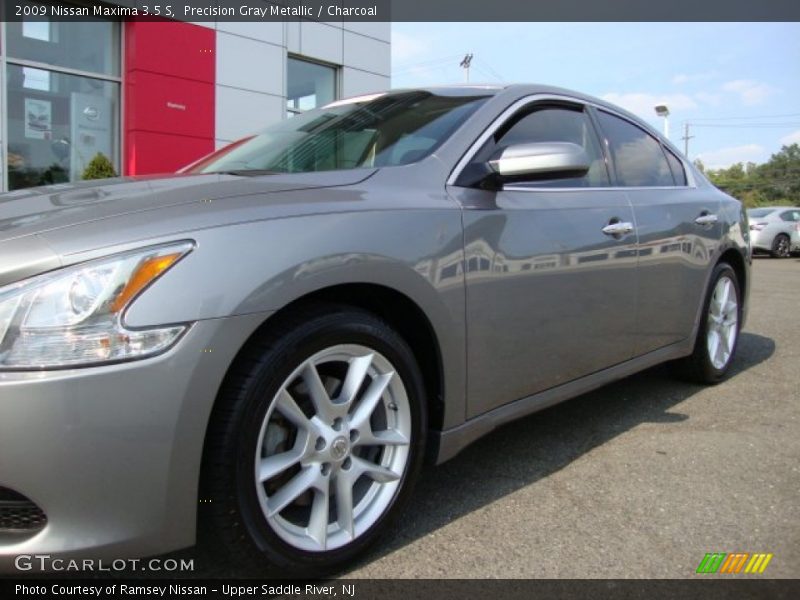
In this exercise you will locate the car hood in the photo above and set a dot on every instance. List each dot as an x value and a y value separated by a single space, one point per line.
38 210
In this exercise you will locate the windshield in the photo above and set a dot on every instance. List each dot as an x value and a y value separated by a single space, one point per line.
759 212
383 131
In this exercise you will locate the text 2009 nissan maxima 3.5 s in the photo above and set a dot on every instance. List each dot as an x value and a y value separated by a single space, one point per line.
267 345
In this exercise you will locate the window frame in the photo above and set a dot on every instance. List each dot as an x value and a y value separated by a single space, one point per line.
337 84
664 149
499 120
118 80
668 153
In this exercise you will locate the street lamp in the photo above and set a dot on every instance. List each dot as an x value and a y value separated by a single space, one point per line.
663 111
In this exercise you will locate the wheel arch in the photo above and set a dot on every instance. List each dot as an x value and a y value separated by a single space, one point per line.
735 259
402 313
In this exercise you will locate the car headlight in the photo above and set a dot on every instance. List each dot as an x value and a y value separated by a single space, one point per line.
74 316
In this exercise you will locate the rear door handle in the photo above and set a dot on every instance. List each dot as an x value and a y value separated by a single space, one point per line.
618 228
706 219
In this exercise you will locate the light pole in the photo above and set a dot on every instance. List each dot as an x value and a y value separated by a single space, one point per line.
663 111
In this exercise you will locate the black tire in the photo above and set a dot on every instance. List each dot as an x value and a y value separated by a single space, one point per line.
231 518
781 246
698 366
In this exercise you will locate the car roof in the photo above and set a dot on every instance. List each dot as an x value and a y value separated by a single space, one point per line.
519 90
773 208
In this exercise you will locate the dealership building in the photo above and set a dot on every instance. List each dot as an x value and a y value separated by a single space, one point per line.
154 96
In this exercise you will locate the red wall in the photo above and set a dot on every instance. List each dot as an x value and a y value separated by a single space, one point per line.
169 95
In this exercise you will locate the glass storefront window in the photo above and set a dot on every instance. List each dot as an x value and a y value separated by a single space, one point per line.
57 123
93 46
62 103
309 85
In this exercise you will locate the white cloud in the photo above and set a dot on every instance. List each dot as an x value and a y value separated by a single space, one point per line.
682 78
750 92
725 157
643 104
708 98
792 138
407 47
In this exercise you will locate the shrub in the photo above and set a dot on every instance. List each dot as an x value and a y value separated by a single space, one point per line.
99 168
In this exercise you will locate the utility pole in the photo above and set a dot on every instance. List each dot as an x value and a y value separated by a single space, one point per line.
686 137
465 63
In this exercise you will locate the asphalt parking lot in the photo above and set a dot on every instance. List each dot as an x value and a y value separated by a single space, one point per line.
638 479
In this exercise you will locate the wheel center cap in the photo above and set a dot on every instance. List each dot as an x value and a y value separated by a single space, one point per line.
339 448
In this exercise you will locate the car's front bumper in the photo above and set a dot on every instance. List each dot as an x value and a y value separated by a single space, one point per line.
112 454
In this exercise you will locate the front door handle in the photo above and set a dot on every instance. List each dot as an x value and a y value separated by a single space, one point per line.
618 228
706 219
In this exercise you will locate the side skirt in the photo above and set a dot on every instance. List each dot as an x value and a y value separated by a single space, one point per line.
446 444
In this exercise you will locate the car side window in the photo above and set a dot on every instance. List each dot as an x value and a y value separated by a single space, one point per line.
676 166
552 124
791 215
639 159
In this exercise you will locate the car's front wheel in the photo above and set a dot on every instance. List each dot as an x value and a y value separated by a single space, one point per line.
316 441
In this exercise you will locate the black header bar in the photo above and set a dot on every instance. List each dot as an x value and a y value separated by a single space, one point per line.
406 10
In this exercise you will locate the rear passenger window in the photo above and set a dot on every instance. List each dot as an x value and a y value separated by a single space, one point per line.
791 215
639 160
676 166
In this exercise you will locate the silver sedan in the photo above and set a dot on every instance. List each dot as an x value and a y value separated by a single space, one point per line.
775 229
267 346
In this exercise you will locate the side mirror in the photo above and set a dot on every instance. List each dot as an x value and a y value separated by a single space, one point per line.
542 160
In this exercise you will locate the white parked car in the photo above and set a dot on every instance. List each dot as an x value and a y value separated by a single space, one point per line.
775 229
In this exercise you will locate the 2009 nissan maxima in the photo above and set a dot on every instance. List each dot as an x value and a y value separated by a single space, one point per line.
272 341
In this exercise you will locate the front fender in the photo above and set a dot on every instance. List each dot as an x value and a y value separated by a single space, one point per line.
263 266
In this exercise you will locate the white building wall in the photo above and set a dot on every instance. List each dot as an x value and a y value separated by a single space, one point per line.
251 66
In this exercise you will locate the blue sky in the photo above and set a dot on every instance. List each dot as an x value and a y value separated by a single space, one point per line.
737 84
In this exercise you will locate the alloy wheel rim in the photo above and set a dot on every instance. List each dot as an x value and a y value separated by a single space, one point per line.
333 448
783 247
723 320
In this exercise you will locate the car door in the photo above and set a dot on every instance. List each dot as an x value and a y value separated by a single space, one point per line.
791 226
677 225
550 296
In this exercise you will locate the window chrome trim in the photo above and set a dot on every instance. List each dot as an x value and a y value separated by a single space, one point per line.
520 188
691 183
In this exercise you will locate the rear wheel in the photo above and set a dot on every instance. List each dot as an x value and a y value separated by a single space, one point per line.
718 335
316 442
781 247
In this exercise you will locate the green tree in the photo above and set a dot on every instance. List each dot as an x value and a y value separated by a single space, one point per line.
782 171
700 165
99 168
777 181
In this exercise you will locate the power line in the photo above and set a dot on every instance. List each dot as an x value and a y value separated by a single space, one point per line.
746 126
426 64
488 67
746 118
486 73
